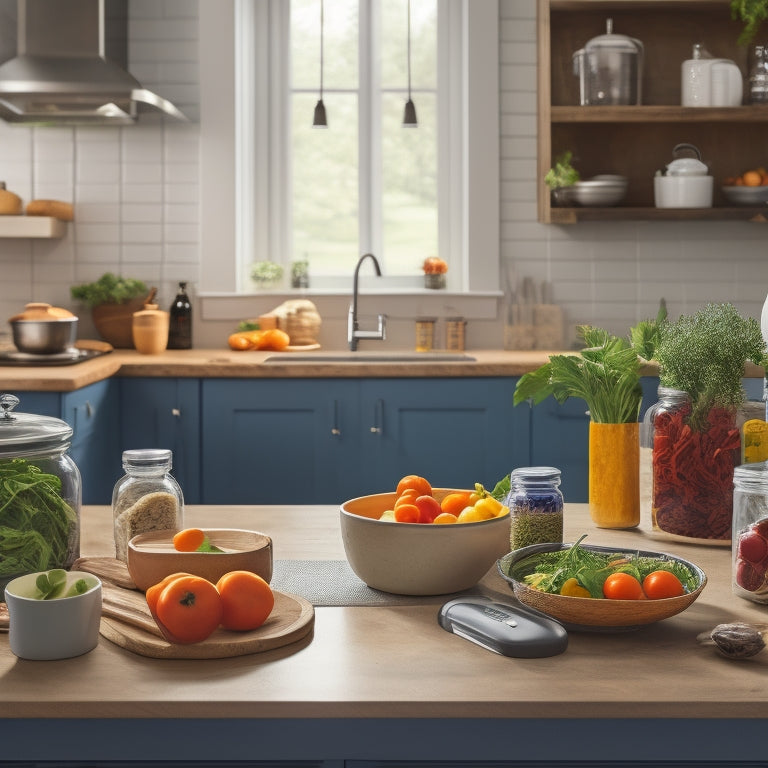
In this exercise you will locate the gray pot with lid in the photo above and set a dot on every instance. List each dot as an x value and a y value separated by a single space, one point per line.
610 69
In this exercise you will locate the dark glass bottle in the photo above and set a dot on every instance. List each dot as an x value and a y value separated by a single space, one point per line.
180 329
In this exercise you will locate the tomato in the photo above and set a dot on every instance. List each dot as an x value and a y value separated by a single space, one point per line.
752 546
189 608
488 507
247 600
623 586
407 513
416 482
455 501
429 508
407 497
470 515
660 584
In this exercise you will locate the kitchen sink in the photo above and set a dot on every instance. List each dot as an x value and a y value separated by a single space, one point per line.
368 357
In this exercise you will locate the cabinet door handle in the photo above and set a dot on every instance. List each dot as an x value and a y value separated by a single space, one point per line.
378 412
176 412
335 427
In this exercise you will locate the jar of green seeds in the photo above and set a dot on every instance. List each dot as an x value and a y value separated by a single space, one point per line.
535 506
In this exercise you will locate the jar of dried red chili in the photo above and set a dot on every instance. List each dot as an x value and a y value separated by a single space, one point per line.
750 532
694 455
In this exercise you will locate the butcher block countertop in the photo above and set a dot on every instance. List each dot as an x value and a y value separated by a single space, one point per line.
384 666
225 363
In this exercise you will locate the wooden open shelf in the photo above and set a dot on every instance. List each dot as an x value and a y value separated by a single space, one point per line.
32 226
637 141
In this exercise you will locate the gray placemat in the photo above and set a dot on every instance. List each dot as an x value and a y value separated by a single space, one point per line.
332 583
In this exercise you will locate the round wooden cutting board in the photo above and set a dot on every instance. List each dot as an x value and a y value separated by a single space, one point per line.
127 622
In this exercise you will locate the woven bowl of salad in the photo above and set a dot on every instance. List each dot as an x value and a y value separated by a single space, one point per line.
569 582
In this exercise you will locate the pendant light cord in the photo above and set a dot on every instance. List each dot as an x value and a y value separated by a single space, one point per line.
322 26
409 50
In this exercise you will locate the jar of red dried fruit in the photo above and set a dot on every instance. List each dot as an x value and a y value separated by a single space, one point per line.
694 455
750 532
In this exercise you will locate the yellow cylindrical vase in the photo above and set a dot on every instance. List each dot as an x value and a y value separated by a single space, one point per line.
614 474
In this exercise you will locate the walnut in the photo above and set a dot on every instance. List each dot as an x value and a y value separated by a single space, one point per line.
737 640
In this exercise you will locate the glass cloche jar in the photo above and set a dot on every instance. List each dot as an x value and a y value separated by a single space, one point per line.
40 493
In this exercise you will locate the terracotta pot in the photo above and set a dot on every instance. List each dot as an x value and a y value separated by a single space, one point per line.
114 322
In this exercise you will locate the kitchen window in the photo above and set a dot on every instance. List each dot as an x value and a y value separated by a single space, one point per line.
450 209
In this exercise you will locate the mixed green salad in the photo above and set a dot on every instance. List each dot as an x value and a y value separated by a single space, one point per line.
549 571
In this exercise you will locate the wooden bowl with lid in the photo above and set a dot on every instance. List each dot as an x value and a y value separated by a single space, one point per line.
152 557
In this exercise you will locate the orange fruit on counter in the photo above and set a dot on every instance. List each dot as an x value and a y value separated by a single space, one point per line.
752 179
246 598
239 341
274 339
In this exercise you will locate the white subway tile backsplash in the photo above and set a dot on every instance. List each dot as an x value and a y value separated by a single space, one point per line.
142 193
98 253
141 233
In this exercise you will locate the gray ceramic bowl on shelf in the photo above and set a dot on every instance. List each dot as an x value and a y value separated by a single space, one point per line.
600 191
746 195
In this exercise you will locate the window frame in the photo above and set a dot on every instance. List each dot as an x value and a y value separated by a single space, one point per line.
471 120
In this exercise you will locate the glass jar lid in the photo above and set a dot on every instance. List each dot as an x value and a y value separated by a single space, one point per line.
29 433
535 474
148 458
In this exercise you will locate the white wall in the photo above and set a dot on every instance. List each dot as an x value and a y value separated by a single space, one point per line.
136 194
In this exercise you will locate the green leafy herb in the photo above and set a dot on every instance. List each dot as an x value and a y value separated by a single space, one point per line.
704 355
108 289
606 375
51 584
36 523
753 13
562 173
248 325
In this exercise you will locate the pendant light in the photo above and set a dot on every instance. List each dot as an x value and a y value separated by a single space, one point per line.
409 116
320 120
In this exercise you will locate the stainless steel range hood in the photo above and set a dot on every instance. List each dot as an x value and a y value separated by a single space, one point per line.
70 67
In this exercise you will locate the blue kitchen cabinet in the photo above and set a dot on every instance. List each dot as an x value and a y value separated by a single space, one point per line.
278 441
321 441
164 413
455 432
560 438
93 412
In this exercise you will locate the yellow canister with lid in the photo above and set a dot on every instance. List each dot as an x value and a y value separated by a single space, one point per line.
150 328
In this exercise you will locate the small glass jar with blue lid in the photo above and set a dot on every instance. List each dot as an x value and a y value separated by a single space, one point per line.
535 506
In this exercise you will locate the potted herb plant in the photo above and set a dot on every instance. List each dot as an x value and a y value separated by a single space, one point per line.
266 274
696 440
112 300
752 13
560 177
606 375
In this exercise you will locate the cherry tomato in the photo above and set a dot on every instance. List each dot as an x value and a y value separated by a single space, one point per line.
623 586
660 584
407 513
414 481
429 508
752 546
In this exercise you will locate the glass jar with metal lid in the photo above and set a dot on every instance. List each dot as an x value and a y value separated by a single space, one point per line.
535 506
146 498
40 493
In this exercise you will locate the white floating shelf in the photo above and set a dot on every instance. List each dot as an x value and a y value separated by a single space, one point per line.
32 226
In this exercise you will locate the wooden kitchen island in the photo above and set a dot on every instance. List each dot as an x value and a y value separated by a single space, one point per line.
388 684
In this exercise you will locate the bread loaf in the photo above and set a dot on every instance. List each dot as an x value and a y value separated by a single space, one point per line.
10 203
55 208
300 319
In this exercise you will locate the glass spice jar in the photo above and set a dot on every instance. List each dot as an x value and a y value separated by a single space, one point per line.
749 544
40 493
535 506
146 498
693 466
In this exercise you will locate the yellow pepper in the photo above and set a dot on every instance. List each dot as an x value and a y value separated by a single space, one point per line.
572 588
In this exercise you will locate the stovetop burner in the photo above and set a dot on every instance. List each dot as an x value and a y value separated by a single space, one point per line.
70 357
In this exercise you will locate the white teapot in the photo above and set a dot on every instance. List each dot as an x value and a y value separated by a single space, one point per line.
710 82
